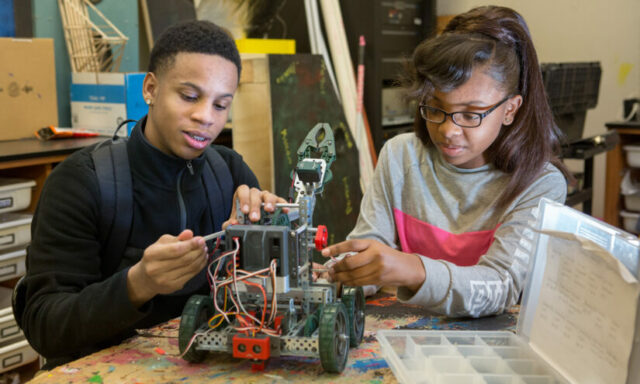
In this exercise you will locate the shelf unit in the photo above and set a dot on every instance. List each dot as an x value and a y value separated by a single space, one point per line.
629 133
586 149
392 30
34 159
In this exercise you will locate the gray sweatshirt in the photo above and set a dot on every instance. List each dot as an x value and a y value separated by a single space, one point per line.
476 257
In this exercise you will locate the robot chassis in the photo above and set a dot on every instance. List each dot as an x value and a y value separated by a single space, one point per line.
306 318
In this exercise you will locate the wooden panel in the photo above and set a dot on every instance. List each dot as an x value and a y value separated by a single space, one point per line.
613 178
254 69
32 161
251 120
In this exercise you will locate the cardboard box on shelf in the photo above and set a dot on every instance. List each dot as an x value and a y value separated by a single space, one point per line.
28 98
101 101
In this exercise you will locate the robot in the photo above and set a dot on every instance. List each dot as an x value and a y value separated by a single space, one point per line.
263 299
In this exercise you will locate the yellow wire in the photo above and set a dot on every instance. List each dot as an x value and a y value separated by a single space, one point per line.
224 308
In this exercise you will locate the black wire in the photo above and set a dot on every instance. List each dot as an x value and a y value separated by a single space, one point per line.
115 134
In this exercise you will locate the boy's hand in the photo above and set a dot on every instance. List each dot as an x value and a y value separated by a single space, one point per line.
166 266
251 200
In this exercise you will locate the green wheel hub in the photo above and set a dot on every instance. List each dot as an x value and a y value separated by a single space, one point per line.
334 337
196 313
353 300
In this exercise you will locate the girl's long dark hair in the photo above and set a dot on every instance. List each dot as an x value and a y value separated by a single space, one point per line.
498 39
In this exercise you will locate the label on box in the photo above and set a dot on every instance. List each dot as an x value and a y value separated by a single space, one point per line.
101 101
587 303
6 202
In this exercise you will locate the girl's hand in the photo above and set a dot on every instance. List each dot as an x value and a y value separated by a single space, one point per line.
319 272
375 264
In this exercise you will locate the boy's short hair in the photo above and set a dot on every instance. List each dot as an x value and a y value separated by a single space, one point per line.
194 36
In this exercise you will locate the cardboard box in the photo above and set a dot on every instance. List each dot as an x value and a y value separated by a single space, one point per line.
101 101
28 98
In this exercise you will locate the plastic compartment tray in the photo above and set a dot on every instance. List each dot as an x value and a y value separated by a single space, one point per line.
15 230
12 264
15 194
474 357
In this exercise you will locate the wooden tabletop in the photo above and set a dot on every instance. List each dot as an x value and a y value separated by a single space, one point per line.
28 148
152 356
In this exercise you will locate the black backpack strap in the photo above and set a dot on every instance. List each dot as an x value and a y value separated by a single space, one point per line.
219 186
116 212
116 201
19 300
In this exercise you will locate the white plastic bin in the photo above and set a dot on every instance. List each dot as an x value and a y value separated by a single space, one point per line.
8 327
12 264
630 221
632 202
633 155
15 353
15 194
15 230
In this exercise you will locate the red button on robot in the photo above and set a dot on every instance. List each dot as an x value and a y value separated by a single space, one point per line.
321 237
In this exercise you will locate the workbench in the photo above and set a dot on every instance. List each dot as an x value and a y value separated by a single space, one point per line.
152 355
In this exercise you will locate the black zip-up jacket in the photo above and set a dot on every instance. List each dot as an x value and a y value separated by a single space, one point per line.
71 309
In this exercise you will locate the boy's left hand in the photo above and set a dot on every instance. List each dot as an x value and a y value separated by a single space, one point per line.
375 264
251 200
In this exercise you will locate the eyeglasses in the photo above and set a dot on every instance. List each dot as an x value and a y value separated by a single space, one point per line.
463 119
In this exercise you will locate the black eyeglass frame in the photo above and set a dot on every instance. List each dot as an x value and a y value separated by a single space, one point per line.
482 115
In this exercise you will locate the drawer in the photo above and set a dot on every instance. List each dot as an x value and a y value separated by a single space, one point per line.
12 264
14 353
15 194
15 230
8 327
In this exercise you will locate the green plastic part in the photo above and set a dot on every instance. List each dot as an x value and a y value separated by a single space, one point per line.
354 302
276 217
319 140
311 324
334 338
197 311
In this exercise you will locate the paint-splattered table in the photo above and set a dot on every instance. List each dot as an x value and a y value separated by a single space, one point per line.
151 357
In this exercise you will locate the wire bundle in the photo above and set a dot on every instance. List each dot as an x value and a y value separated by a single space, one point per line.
246 322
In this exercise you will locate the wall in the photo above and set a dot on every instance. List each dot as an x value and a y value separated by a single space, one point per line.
46 23
578 30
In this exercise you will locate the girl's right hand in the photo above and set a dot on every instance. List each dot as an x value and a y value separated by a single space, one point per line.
375 264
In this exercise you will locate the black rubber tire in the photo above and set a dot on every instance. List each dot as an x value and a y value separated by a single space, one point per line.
354 302
334 337
197 311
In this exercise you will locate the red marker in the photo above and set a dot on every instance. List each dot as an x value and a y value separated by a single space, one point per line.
360 74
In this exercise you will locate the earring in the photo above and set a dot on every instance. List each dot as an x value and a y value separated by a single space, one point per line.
148 101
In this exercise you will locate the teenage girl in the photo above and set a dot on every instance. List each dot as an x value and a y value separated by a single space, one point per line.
448 217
